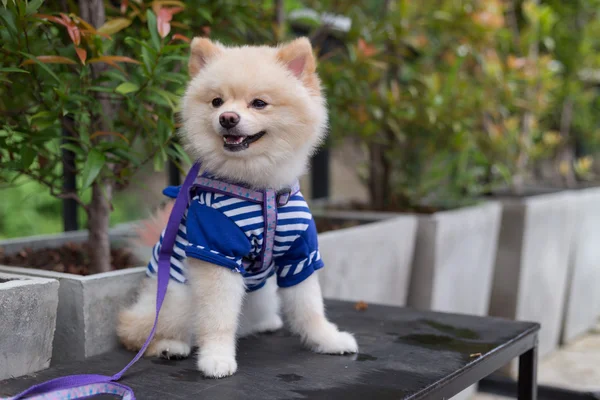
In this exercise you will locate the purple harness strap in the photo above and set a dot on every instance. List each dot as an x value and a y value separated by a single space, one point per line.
84 386
269 199
81 386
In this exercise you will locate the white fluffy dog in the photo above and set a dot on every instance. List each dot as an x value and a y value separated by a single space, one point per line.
253 116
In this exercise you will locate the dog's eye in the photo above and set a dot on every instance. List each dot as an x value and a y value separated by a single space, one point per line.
258 103
217 102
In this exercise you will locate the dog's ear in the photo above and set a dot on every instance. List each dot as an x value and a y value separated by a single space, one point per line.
202 49
299 59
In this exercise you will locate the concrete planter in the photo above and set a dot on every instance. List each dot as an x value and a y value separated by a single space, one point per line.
28 314
88 305
370 262
583 294
451 268
454 259
530 279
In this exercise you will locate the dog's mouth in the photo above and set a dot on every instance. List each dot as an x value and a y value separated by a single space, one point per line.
239 142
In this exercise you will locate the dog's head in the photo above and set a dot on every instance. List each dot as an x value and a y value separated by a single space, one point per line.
253 114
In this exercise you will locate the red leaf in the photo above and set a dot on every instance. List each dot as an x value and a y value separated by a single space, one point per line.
88 28
163 19
162 22
106 133
124 4
72 29
179 36
50 60
81 53
106 60
75 34
366 49
50 18
175 10
67 22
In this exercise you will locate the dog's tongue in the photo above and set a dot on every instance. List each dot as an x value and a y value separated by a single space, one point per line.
231 139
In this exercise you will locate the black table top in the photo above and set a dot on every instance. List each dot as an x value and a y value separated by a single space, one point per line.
404 353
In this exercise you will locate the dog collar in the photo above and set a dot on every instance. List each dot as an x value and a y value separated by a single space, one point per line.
218 186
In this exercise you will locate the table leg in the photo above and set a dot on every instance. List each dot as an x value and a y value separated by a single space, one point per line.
528 375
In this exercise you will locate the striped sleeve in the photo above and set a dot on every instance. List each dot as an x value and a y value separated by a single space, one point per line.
177 271
300 260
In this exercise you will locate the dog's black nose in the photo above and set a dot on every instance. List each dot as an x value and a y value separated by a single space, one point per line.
229 119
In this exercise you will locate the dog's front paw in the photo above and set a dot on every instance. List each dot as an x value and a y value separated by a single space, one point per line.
217 366
332 341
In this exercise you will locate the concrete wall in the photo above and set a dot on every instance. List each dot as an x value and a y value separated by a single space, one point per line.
583 298
530 281
371 262
87 309
28 319
454 259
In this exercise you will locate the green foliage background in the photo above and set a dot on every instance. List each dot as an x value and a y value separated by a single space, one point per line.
449 99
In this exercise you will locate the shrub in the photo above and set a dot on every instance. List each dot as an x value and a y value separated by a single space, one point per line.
98 97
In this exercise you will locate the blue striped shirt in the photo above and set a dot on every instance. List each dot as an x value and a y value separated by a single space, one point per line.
229 232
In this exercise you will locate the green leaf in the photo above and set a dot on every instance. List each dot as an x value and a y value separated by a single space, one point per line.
92 168
9 19
152 27
180 153
22 7
172 77
205 13
71 147
11 69
158 162
147 60
102 89
126 155
115 25
42 114
169 97
127 87
176 58
27 156
33 6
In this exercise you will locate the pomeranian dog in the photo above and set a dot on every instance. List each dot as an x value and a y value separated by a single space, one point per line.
252 115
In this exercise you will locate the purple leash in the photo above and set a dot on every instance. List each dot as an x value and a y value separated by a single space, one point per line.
87 385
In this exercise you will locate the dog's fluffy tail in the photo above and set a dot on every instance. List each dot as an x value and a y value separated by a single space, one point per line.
147 233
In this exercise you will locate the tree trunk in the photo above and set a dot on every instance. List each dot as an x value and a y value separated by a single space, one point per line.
379 172
567 152
279 20
93 12
528 117
98 225
379 166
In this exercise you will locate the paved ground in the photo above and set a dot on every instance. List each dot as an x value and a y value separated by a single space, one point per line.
575 366
481 396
